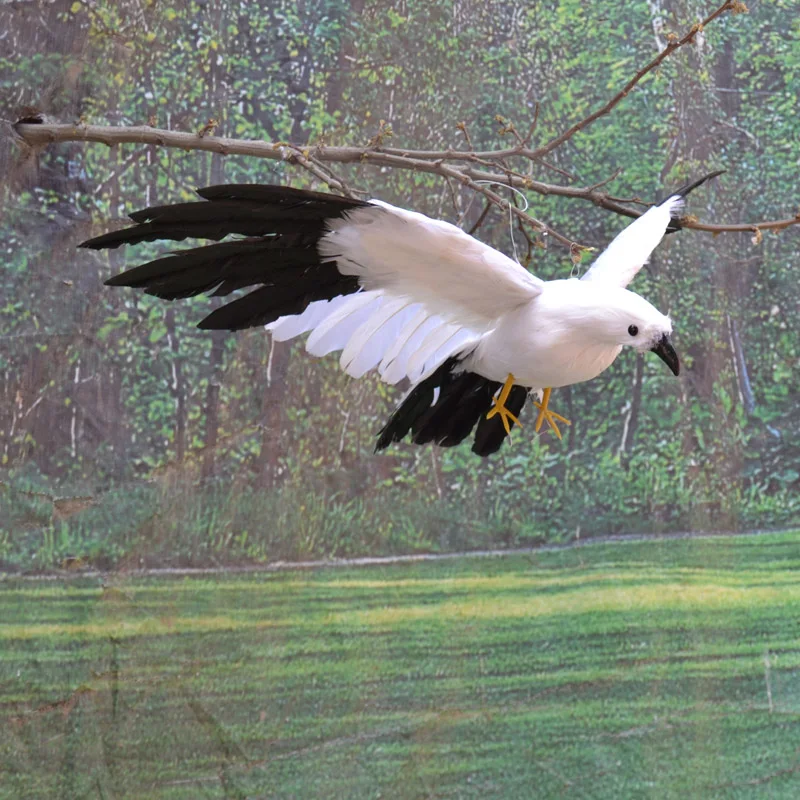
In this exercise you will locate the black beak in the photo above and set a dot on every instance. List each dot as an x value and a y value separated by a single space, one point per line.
666 352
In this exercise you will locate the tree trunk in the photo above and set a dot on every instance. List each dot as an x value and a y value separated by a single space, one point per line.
211 436
632 416
177 386
347 49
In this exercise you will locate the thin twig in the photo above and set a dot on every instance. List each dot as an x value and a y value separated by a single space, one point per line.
527 140
547 165
297 156
531 243
453 196
481 219
463 128
671 47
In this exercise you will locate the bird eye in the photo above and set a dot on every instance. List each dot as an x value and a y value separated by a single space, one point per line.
633 330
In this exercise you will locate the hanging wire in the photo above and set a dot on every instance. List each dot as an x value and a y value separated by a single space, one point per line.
510 215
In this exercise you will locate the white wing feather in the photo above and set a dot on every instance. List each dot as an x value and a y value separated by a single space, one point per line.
406 254
361 354
438 338
394 370
429 291
334 332
285 328
413 323
619 263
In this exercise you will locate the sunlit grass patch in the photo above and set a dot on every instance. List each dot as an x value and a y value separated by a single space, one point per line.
167 625
624 669
643 598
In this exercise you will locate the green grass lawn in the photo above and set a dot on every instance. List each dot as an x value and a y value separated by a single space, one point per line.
656 669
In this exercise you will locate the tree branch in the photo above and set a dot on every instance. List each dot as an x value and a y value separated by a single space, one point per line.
673 44
474 170
311 157
41 135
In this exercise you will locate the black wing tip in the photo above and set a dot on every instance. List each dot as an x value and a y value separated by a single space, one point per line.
690 187
385 438
209 324
179 221
274 193
104 242
675 220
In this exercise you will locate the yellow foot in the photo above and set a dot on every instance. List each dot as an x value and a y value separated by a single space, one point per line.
499 406
546 415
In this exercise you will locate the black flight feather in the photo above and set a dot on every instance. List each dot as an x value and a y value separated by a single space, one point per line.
279 257
683 191
282 227
266 304
243 209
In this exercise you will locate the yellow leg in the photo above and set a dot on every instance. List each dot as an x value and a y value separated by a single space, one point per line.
545 414
499 406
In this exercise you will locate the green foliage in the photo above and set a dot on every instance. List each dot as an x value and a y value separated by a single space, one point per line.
200 450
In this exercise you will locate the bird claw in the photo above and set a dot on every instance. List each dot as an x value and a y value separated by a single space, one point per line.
505 416
499 406
548 416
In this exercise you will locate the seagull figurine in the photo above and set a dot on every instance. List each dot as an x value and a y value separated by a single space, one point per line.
415 298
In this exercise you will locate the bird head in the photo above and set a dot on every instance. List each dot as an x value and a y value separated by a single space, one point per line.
616 317
627 319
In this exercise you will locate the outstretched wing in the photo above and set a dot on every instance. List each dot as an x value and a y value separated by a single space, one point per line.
619 263
392 288
428 261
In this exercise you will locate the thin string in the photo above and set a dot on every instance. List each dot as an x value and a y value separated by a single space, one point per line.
510 215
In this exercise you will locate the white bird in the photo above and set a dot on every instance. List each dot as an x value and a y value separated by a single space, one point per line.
413 297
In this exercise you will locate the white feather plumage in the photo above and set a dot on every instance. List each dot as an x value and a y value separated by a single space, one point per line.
431 291
404 253
630 250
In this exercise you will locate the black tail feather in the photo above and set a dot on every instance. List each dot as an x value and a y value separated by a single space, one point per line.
453 405
464 400
416 403
491 434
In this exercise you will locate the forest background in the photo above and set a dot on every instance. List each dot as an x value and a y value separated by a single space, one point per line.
128 437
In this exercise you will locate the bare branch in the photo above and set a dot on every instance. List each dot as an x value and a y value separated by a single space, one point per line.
744 227
481 219
313 158
672 45
46 134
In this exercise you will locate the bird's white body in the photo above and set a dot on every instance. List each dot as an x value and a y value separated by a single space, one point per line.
567 334
545 351
431 291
